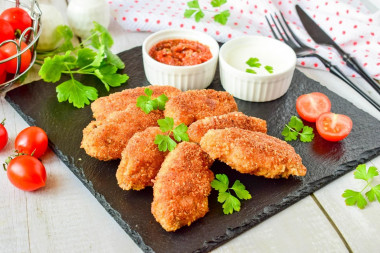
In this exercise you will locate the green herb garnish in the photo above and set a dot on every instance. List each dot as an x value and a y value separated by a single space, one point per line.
269 69
98 61
230 202
164 142
196 11
296 127
253 62
147 104
356 198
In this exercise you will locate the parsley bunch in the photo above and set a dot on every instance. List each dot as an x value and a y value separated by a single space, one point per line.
164 142
196 11
296 127
356 198
255 63
97 60
147 104
230 202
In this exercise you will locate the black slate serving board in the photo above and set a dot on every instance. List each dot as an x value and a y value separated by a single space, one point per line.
326 161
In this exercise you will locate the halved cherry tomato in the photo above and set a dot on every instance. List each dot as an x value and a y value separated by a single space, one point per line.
310 106
6 31
18 18
333 127
32 140
10 49
3 135
26 173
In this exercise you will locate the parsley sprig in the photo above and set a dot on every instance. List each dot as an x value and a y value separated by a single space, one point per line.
98 61
196 11
230 202
296 128
147 104
255 63
164 141
356 198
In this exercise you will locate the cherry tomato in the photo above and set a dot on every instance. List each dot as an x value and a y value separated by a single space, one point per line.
18 18
32 140
3 135
3 77
333 127
2 65
9 49
26 173
310 106
6 31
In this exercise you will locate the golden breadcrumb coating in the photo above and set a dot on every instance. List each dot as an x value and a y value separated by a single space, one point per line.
106 139
253 153
194 105
232 119
182 186
141 160
119 101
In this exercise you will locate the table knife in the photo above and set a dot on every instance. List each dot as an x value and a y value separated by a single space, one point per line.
320 37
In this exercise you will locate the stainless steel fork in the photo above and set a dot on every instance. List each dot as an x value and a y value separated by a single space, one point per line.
281 31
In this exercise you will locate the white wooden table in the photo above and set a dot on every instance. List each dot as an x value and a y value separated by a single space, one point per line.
65 217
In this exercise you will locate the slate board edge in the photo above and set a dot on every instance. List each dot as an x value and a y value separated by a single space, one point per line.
229 233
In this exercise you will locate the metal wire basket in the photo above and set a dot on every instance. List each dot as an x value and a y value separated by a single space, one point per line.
29 36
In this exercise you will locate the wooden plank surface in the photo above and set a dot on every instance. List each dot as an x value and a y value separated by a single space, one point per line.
65 217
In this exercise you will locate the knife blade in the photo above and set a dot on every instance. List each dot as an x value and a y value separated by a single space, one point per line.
320 37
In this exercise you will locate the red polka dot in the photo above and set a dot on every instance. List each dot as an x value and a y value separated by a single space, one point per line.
290 12
235 23
265 11
347 11
251 12
308 40
205 29
373 34
247 26
231 7
365 64
327 19
158 21
361 36
315 64
353 75
279 3
378 64
146 20
255 6
355 43
138 29
135 19
229 36
355 26
344 32
170 23
326 3
124 18
368 42
340 22
181 25
241 11
370 20
217 32
331 28
337 13
303 63
193 27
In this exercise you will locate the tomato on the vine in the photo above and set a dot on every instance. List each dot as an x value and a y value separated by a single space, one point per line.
310 106
18 18
26 173
32 140
10 49
3 135
6 31
333 127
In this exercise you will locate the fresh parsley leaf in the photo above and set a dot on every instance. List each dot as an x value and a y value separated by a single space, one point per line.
356 198
193 4
199 15
166 124
114 59
76 93
218 3
189 12
100 37
180 133
142 102
148 92
307 134
52 68
230 202
293 129
250 71
222 17
269 69
114 80
240 190
64 32
161 101
164 143
253 62
85 57
147 104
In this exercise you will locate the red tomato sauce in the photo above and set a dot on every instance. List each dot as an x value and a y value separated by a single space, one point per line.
179 52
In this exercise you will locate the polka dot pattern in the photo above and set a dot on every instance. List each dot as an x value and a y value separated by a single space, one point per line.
348 22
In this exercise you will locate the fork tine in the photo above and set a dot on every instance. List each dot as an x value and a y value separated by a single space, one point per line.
283 29
274 33
292 33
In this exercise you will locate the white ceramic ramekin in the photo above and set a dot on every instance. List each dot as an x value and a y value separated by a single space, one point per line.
182 77
262 86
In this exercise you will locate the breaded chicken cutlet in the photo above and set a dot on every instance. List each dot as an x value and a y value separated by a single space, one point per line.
233 119
141 160
194 105
182 186
253 153
119 101
106 139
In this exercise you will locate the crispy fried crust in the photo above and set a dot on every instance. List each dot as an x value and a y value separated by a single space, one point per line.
141 160
253 153
232 119
119 101
194 105
182 186
106 139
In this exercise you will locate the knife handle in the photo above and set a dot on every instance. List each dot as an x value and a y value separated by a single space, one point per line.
353 64
337 72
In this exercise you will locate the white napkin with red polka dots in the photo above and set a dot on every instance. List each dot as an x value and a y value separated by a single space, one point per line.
348 22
